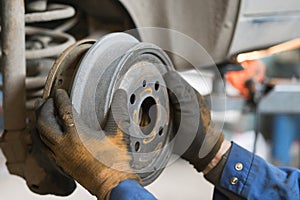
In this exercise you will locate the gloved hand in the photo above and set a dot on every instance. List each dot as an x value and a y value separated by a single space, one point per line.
97 163
197 139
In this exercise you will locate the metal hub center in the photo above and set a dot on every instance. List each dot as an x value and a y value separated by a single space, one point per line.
148 115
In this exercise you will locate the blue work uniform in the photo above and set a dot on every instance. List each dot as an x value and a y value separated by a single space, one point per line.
245 175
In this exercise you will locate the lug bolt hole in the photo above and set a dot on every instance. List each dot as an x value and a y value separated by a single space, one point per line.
137 146
161 130
60 82
156 85
144 83
132 98
148 115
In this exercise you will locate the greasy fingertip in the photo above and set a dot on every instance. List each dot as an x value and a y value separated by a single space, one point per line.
64 108
47 125
62 98
62 102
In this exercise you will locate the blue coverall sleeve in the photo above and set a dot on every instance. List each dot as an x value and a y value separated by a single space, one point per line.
251 177
130 190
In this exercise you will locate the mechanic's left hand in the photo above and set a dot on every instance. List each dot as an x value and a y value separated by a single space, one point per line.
197 138
97 163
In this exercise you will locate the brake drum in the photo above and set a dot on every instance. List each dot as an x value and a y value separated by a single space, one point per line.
92 71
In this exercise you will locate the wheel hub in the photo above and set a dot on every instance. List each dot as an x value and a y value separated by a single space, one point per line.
91 72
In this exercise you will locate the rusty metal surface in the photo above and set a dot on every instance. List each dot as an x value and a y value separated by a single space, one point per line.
13 63
13 147
64 69
150 114
14 73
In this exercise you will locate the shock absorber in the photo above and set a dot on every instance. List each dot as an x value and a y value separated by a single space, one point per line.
28 52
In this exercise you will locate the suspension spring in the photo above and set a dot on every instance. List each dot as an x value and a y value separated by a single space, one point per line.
43 45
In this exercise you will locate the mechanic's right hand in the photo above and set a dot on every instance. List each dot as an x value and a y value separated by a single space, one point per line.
197 140
98 164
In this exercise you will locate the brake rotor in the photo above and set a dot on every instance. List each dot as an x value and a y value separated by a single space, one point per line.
119 61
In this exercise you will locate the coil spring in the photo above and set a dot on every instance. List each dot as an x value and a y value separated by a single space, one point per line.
43 44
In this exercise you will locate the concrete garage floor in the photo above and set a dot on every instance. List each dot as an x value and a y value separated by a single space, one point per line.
178 181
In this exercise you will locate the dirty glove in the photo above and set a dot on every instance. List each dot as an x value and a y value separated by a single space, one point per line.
98 163
196 140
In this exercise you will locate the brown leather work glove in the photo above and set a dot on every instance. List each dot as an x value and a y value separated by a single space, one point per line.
98 163
197 140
